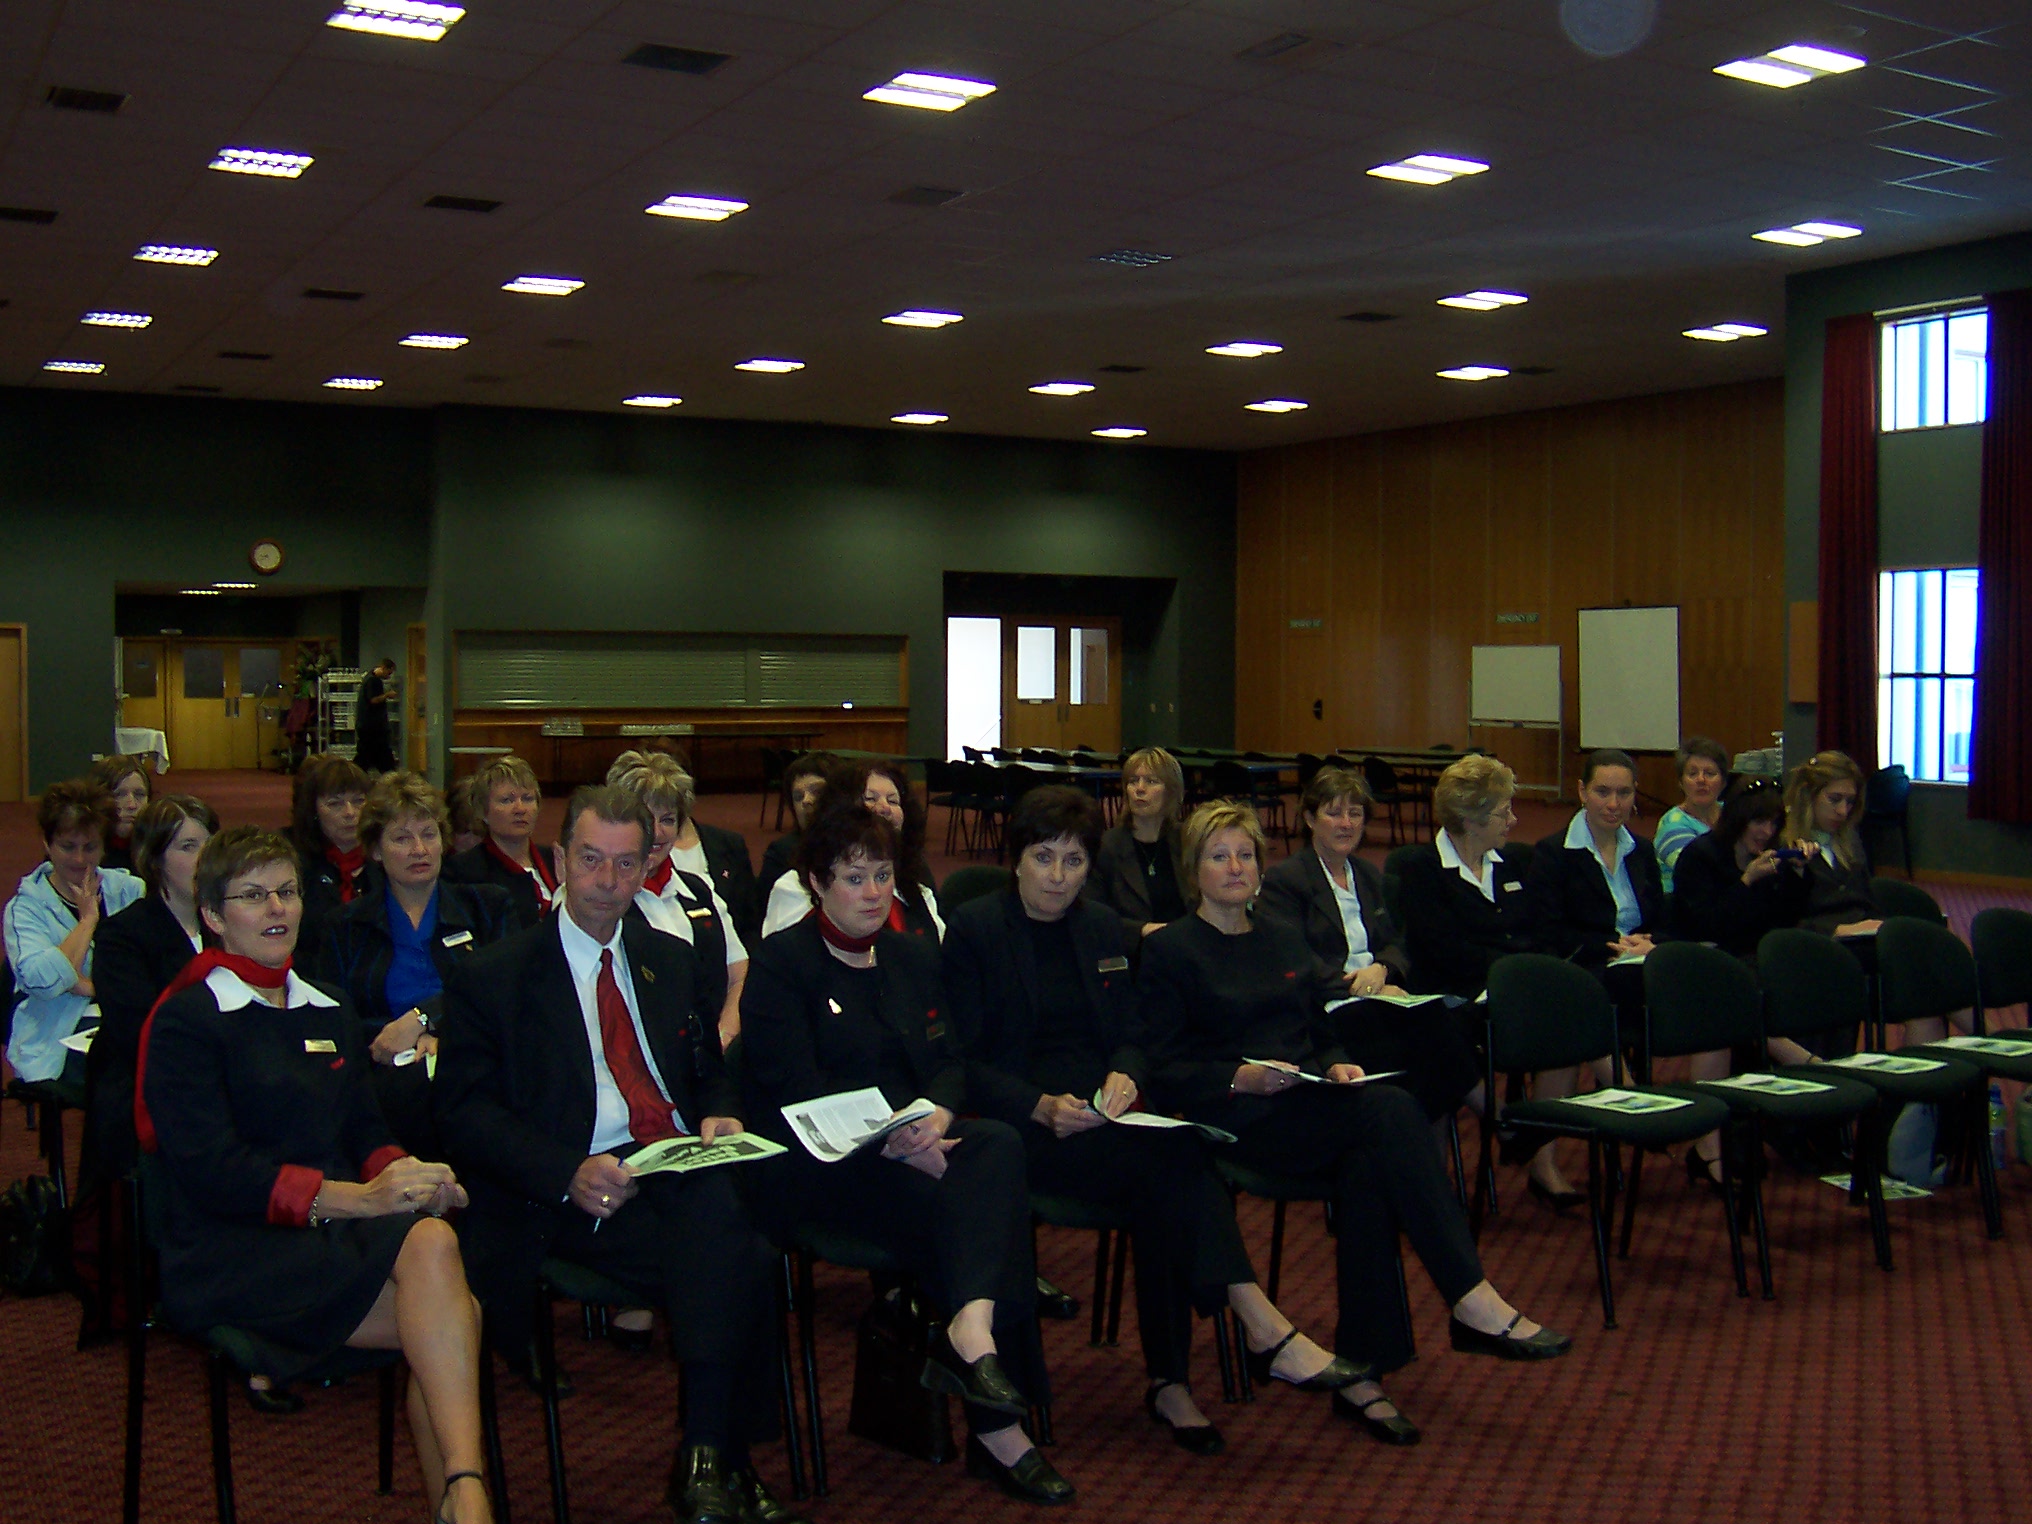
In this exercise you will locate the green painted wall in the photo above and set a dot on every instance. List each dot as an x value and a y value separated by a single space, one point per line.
1928 487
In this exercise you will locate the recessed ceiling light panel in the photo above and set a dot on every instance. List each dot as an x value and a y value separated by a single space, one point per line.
1428 169
354 383
1063 388
174 254
1791 237
396 18
435 341
116 319
201 592
1826 60
270 162
1709 335
770 367
1786 67
912 317
929 92
1120 431
1742 330
75 367
1277 405
1245 349
1828 229
920 418
235 587
696 208
1473 373
1761 71
543 285
650 399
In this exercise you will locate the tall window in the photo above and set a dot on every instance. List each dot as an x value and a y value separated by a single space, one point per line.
1926 663
1935 370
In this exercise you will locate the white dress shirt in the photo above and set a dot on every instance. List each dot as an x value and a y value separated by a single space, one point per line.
1450 857
610 1107
1350 903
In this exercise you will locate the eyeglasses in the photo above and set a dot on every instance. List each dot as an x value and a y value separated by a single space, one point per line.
256 899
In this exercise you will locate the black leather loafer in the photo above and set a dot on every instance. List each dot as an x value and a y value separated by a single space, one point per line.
1200 1439
1061 1306
758 1504
700 1491
1394 1430
982 1382
1032 1478
1543 1345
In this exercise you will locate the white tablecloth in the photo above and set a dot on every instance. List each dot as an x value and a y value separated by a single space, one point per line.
133 741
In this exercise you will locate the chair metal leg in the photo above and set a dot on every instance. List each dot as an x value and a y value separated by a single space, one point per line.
490 1430
53 1150
1599 1225
546 1355
1096 1333
1453 1149
1276 1249
1115 1290
137 1361
1224 1356
384 1473
807 1338
1753 1177
1986 1166
1866 1164
1630 1201
1731 1184
1040 1425
793 1441
216 1382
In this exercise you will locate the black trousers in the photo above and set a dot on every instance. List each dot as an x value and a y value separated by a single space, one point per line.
1374 1145
963 1237
404 1095
1431 1045
1188 1250
686 1243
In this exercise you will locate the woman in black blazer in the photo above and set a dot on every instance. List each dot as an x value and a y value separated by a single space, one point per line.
711 852
1136 871
1462 895
325 830
395 970
1233 1013
1043 1000
290 1212
507 795
804 783
1823 803
841 1002
1736 886
1335 900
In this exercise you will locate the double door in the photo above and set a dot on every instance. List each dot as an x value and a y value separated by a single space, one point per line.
1062 684
219 702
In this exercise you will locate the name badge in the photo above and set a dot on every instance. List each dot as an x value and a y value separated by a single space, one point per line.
319 1045
935 1032
1113 965
1514 884
458 939
700 913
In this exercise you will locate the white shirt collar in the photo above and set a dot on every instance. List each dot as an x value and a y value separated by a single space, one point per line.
580 950
232 992
1449 857
1579 837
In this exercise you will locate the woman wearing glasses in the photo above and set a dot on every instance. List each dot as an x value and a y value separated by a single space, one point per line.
291 1212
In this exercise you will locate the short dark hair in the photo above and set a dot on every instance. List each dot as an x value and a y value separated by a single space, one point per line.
1332 782
156 827
842 830
1046 814
852 783
238 850
108 772
1759 799
1608 756
322 776
616 806
74 804
1700 746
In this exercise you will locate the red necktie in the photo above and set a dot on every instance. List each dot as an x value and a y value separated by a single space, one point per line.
648 1112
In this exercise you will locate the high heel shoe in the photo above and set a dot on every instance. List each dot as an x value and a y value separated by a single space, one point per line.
1543 1345
1336 1374
1559 1201
1698 1172
982 1382
274 1401
1031 1478
445 1496
1200 1438
1394 1430
633 1341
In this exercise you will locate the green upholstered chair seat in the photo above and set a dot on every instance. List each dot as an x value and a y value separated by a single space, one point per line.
1654 1130
1929 1088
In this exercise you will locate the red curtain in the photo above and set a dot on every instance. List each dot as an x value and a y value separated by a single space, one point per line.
1848 540
2000 771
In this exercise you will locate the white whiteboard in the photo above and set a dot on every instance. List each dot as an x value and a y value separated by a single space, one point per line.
1514 685
1629 679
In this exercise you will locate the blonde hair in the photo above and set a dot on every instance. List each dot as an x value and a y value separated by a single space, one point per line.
498 770
1162 766
1808 782
395 795
1470 790
1207 822
657 778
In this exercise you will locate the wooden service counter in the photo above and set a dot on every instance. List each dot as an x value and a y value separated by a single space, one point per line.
722 750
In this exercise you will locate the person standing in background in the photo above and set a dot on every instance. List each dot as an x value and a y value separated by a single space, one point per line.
374 751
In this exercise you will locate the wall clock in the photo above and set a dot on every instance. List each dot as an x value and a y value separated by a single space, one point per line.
266 557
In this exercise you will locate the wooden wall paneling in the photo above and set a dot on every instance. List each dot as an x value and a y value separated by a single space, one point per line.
1362 564
1405 600
1520 576
1309 568
1462 574
1582 521
1259 599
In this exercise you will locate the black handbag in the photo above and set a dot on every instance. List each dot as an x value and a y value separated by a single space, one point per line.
34 1238
892 1406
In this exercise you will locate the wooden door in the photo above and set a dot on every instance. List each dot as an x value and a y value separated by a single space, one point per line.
143 689
1062 684
415 752
200 732
13 713
256 701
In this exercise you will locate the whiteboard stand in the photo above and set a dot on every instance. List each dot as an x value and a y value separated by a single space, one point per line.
1556 789
1518 688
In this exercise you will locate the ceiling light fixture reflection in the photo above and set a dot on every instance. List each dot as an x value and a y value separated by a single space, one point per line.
544 285
1245 349
1725 333
412 19
929 92
1828 229
770 367
1120 431
1804 235
1473 373
912 317
1798 63
435 341
116 319
1277 405
75 367
1063 388
921 418
269 162
354 383
1429 169
1484 301
174 254
696 208
650 399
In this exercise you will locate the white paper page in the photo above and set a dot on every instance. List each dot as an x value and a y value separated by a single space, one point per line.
831 1127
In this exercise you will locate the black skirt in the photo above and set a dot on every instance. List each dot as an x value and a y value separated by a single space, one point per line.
1433 1046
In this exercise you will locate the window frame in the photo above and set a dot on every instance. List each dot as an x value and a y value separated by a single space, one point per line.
1893 399
1926 671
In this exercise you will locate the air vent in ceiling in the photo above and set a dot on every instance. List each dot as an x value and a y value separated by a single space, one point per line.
329 294
1123 370
199 388
656 55
70 98
926 195
1136 259
26 214
1368 317
243 354
462 204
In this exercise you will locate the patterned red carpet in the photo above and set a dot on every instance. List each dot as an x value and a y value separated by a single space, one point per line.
1856 1395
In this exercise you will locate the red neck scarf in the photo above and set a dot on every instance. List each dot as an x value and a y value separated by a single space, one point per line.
259 975
658 881
546 880
845 943
349 865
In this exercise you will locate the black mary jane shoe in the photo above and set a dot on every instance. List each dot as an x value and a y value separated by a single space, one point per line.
1393 1430
274 1401
1032 1478
1543 1345
633 1341
982 1382
701 1491
1559 1201
757 1503
1052 1302
445 1496
1698 1172
1200 1438
1336 1374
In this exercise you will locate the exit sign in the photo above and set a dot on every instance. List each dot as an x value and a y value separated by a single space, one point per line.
1516 619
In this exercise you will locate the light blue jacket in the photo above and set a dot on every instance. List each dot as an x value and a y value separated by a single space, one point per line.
37 922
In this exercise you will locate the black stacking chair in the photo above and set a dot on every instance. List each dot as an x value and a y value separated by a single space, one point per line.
1894 896
970 883
1391 799
2002 942
1887 798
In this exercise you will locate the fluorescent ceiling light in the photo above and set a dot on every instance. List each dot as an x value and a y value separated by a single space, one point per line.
1827 229
1790 237
1759 71
544 285
116 319
236 587
1277 405
435 341
650 399
173 254
696 208
1429 169
1063 388
202 592
1409 175
769 367
1473 373
1245 349
1711 335
1741 330
354 383
1795 64
911 317
918 417
1826 60
1120 431
75 367
1484 301
929 92
397 18
261 161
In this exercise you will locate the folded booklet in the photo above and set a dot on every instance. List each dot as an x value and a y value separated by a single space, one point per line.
1317 1079
1996 1047
1402 999
833 1127
1152 1119
1772 1084
1887 1063
1628 1102
680 1156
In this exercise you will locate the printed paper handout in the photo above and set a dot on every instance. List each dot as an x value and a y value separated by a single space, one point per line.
680 1156
832 1127
1628 1102
1153 1119
1772 1084
1887 1063
1317 1079
1996 1047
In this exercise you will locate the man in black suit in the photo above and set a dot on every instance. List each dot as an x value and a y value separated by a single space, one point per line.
564 1049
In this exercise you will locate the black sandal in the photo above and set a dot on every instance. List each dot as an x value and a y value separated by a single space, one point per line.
449 1482
1334 1375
